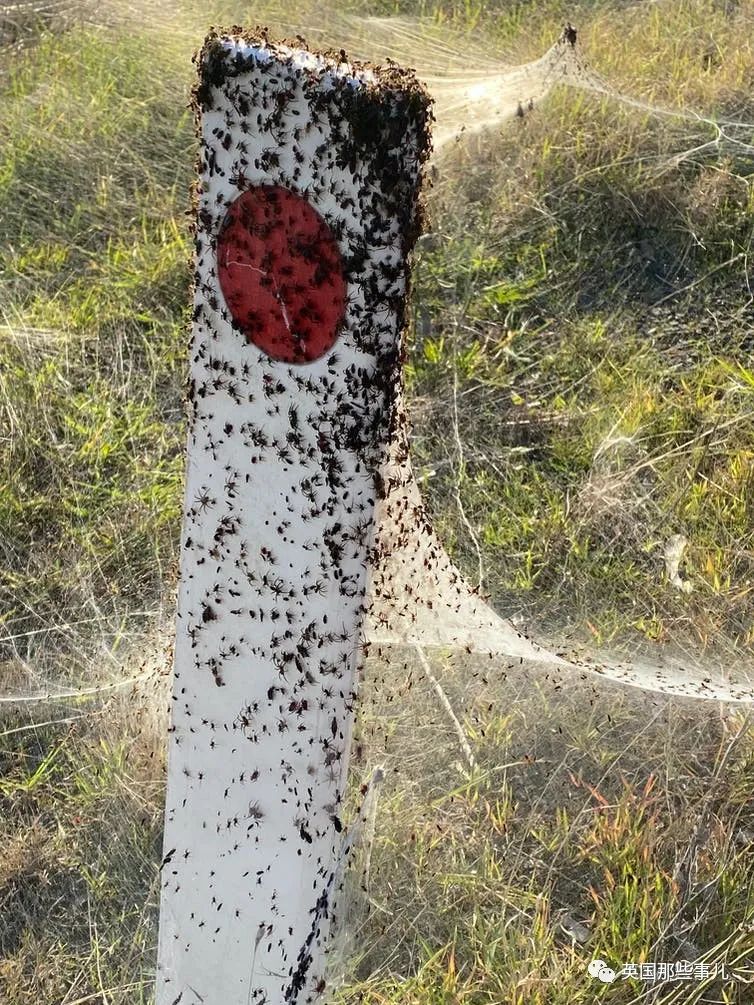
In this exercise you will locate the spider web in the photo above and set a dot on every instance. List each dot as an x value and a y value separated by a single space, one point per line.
440 652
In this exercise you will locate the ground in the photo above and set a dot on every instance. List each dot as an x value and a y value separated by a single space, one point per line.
582 319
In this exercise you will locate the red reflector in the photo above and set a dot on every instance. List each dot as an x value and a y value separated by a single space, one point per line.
280 271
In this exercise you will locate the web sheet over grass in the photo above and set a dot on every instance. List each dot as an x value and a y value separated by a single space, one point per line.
481 101
580 399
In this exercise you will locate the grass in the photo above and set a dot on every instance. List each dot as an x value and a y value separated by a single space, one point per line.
594 314
483 879
94 293
582 308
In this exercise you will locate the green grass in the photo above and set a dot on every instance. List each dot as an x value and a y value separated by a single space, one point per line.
587 302
94 275
480 878
581 310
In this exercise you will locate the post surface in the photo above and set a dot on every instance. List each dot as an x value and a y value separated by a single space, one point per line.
307 210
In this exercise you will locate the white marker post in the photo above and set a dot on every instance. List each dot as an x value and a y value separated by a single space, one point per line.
307 211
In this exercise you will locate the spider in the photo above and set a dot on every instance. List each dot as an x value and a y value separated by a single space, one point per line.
204 500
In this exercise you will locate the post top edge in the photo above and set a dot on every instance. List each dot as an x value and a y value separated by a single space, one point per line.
237 46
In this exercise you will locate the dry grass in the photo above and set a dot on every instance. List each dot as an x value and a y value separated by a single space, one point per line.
582 292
